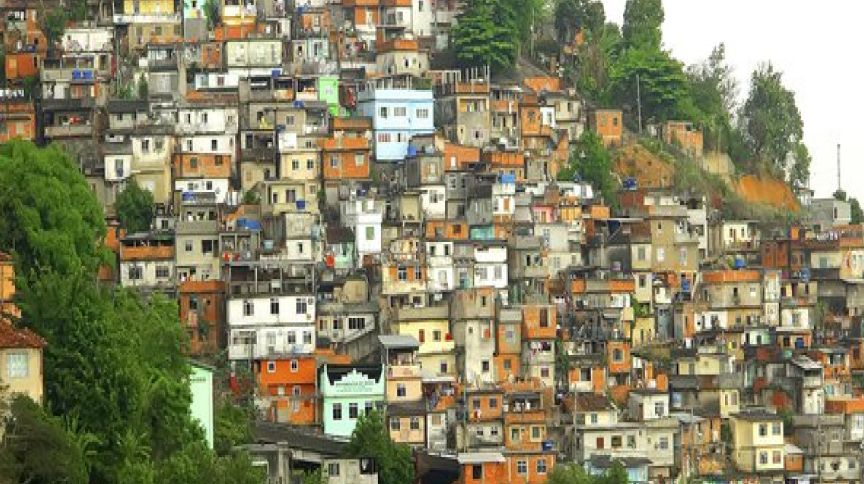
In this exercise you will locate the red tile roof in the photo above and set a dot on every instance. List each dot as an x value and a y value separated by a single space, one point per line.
12 337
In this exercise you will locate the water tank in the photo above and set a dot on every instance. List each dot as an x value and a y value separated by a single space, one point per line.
740 263
630 183
547 445
412 150
268 244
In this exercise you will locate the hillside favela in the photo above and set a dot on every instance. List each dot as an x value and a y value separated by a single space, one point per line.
428 241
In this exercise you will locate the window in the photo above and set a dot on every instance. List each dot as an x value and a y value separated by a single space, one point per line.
763 457
394 424
301 306
214 144
292 338
295 165
776 428
207 246
333 468
135 273
484 365
367 408
271 367
659 408
508 365
600 444
401 390
353 410
522 467
145 145
631 441
274 306
399 112
295 366
493 402
536 433
359 159
664 443
162 272
415 423
544 372
763 430
476 471
617 355
443 367
337 411
17 365
661 254
307 337
423 113
356 323
402 274
541 466
593 418
776 457
370 233
436 335
248 308
382 112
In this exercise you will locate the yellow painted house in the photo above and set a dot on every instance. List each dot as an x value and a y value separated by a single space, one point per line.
757 441
431 327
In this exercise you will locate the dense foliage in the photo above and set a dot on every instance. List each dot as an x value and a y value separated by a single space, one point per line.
487 34
591 161
114 361
572 474
371 439
134 207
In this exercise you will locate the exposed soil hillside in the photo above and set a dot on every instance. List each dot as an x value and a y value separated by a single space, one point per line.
766 190
649 170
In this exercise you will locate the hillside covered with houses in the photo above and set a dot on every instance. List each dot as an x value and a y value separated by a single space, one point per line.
393 241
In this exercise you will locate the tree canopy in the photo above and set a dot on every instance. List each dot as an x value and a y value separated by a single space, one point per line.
590 160
134 207
662 84
573 474
114 361
371 439
643 20
770 120
487 33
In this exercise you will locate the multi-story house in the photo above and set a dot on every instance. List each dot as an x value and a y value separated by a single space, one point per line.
473 313
406 408
288 389
398 114
346 391
147 262
270 312
757 442
432 328
202 313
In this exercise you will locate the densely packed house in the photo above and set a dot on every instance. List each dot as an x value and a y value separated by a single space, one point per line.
355 223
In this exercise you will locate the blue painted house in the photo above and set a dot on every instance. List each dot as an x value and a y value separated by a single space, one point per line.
397 115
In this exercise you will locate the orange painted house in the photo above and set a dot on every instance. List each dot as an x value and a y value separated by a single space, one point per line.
202 313
608 124
290 388
7 286
201 165
345 158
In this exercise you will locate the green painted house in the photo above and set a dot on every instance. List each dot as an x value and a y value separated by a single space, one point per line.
348 391
201 386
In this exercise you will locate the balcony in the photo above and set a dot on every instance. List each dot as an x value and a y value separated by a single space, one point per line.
403 371
147 18
68 131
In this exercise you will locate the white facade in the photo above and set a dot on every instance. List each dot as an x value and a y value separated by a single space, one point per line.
365 218
209 120
440 271
147 273
490 267
217 144
218 186
88 39
433 201
265 326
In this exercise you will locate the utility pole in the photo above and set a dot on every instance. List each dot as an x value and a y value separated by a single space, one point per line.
838 168
639 102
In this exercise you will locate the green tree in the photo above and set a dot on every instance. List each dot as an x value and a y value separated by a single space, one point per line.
799 165
211 11
595 60
855 208
134 207
643 20
50 217
114 363
37 448
591 161
573 474
371 439
662 84
713 91
232 427
572 16
770 120
487 33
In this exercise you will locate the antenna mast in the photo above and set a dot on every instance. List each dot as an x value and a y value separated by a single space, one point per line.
838 168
